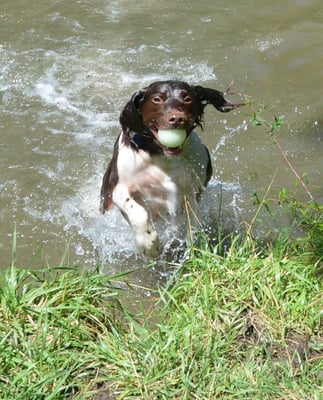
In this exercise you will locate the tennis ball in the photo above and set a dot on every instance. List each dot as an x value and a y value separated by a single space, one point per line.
172 137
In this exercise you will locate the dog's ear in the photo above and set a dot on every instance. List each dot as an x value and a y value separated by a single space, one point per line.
215 97
130 117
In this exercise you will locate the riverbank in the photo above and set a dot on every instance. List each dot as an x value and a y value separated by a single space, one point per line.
243 325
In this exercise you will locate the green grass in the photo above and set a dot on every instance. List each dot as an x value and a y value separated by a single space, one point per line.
244 325
50 325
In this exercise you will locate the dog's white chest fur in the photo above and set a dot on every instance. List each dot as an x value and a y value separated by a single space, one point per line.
151 187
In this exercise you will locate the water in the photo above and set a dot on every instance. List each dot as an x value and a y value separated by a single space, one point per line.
68 68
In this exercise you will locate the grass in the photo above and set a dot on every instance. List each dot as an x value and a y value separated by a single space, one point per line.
244 325
49 324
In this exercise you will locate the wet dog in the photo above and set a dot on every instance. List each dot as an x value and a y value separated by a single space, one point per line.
159 161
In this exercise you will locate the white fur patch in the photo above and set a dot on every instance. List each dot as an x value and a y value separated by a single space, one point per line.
152 187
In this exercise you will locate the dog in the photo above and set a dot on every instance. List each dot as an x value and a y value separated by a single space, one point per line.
150 176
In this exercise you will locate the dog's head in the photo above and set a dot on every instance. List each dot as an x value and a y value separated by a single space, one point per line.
171 107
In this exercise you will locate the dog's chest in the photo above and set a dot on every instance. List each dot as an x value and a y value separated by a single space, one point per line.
158 183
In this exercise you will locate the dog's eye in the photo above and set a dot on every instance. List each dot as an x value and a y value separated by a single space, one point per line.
157 99
187 99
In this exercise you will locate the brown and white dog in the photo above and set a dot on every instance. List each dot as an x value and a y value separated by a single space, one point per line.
146 179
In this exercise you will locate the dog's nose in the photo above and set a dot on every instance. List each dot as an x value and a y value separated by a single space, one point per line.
176 119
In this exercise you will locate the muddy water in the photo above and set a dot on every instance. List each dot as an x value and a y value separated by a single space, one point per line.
66 70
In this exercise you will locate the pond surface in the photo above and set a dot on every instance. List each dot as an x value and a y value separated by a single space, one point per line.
67 69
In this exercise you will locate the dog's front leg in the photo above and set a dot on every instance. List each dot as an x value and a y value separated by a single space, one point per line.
145 235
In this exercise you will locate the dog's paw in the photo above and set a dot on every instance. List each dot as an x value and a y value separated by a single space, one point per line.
148 243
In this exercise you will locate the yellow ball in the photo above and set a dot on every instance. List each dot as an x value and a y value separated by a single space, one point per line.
172 137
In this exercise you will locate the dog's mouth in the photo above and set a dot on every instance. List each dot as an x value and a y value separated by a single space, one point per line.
170 140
